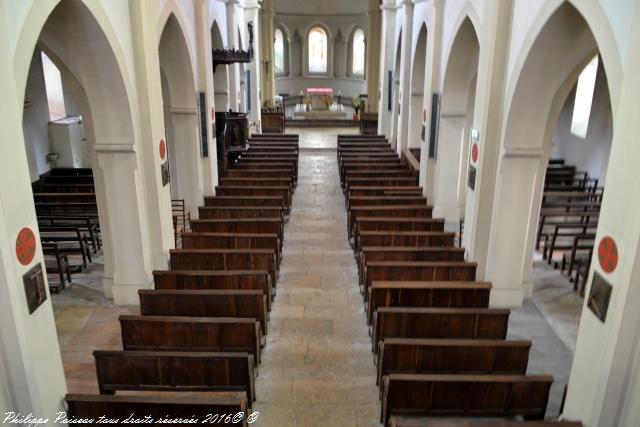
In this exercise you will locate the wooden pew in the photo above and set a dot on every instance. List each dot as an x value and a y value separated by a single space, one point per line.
239 225
233 241
224 259
214 280
173 333
62 198
284 192
465 395
450 294
404 238
418 271
275 201
390 181
451 356
42 187
257 182
384 190
174 371
397 224
232 212
435 422
404 253
92 407
437 322
282 173
251 304
394 211
387 200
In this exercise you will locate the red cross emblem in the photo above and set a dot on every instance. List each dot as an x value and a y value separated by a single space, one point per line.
25 246
163 149
608 254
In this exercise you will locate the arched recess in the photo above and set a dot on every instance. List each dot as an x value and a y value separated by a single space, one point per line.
559 52
329 50
79 46
357 54
281 51
220 75
181 112
456 118
395 106
78 39
416 102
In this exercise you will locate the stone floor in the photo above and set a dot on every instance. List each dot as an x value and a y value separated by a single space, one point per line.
320 137
317 368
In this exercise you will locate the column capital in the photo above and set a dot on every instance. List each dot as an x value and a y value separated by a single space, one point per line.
388 5
252 5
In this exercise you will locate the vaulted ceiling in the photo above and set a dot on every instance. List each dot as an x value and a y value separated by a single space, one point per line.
321 7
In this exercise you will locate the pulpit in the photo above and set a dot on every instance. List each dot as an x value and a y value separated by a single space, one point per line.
232 134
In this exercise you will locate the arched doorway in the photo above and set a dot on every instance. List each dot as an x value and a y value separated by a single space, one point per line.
72 38
78 39
456 118
220 75
546 76
417 89
181 117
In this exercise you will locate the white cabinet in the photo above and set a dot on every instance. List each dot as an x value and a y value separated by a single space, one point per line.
66 139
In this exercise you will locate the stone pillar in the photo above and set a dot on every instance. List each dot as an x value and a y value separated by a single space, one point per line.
251 14
431 85
604 387
151 131
387 63
267 54
205 84
127 213
235 97
32 378
487 119
340 56
405 76
373 56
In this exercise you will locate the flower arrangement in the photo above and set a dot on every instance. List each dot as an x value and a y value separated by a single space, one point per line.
326 100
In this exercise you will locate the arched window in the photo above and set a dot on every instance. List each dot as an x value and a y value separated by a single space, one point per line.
317 50
358 53
278 47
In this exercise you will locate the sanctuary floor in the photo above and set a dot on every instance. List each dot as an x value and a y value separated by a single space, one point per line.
317 367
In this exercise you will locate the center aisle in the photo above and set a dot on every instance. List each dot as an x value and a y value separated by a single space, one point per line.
317 368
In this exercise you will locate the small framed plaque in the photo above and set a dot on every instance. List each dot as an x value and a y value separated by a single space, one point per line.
34 287
166 175
471 182
599 296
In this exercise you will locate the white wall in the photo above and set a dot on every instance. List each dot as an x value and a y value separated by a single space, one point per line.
343 24
35 119
592 153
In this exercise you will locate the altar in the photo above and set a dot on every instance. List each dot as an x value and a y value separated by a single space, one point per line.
319 103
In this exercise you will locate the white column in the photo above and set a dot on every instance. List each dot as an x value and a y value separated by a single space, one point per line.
267 51
604 387
387 49
127 217
151 131
373 55
32 378
251 14
487 118
205 84
233 43
405 76
431 84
